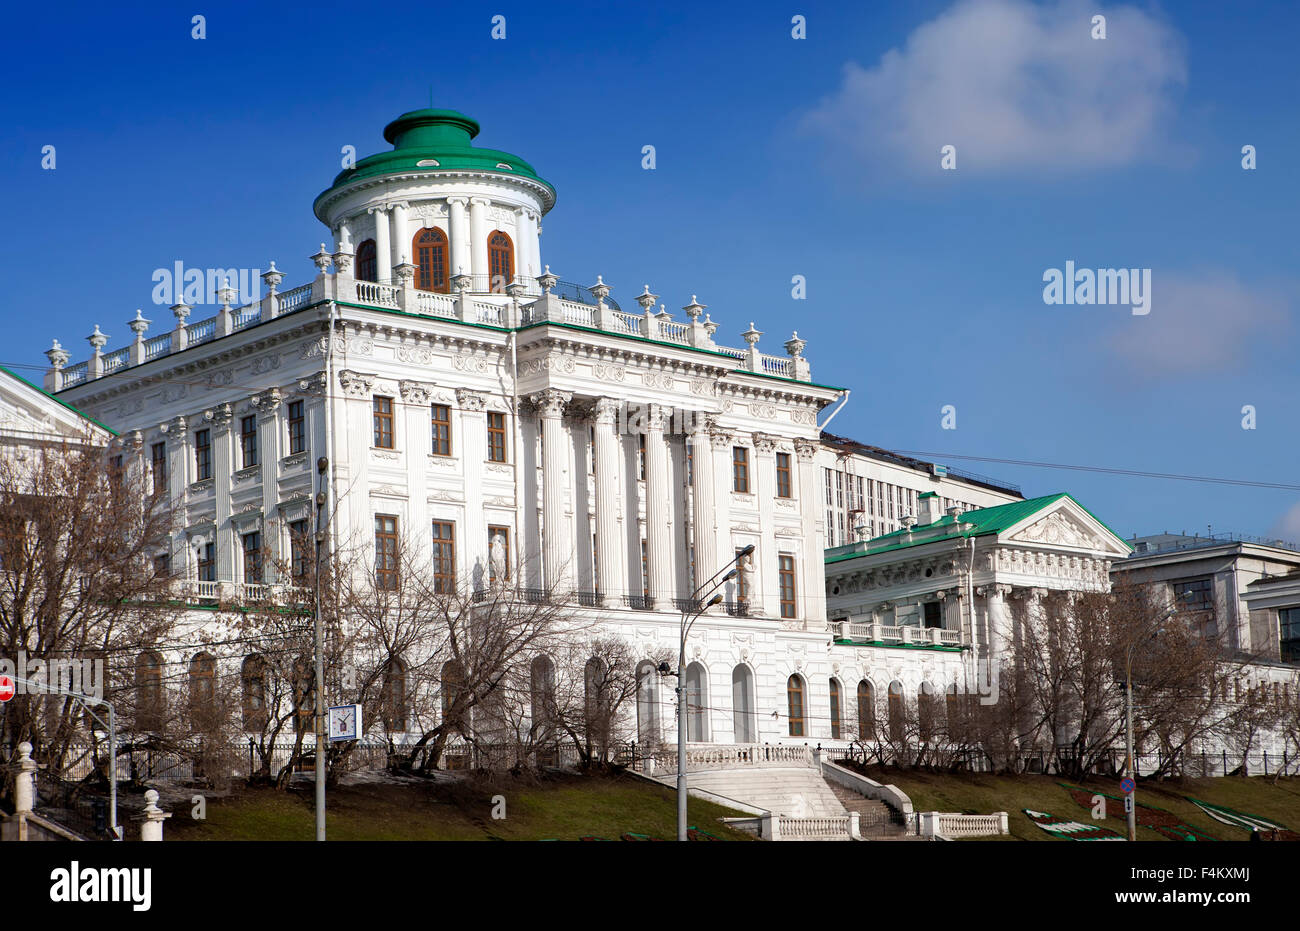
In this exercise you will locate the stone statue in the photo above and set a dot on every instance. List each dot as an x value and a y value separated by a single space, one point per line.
497 558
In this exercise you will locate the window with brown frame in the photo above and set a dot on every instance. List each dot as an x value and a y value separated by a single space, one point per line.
203 673
783 475
367 264
298 548
162 565
640 456
444 557
248 441
297 428
785 564
386 552
740 469
158 461
430 250
501 260
253 680
149 691
794 696
202 455
866 711
253 557
207 567
440 417
493 530
496 424
383 407
392 698
835 709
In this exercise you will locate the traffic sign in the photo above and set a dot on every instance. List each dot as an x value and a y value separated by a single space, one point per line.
7 688
1127 785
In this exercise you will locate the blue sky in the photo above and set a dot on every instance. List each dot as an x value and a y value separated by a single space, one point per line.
775 157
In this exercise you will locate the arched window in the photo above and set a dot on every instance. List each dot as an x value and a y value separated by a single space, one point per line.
430 250
304 695
253 679
367 266
453 685
926 702
794 692
393 695
203 672
836 727
866 711
595 677
742 704
896 711
501 260
647 703
956 713
148 691
696 697
541 681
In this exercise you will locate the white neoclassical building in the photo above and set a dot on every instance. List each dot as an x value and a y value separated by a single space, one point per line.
462 393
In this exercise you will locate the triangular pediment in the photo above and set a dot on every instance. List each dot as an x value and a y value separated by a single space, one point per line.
1067 526
26 411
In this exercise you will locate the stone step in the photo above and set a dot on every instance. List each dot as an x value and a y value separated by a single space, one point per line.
876 819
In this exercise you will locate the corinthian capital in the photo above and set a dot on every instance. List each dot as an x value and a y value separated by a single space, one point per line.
550 402
605 411
806 449
471 400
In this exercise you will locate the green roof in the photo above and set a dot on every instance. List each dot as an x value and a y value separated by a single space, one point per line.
434 141
977 523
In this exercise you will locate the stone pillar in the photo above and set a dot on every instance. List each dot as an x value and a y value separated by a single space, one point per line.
472 423
525 239
401 240
383 245
139 326
458 234
268 405
478 254
703 510
557 553
152 828
658 513
610 545
812 569
25 779
719 451
218 420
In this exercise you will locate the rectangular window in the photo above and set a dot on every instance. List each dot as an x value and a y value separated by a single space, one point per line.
440 418
444 557
740 469
253 557
496 422
1196 597
933 614
645 570
298 548
386 552
162 565
297 428
783 475
591 450
690 463
248 441
207 563
786 572
1289 629
383 422
640 456
202 455
495 530
158 459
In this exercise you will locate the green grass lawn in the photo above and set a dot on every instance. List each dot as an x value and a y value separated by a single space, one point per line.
982 794
557 808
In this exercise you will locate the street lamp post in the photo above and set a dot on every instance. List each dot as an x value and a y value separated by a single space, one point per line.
690 614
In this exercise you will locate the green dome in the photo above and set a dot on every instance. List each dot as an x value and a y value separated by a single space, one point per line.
436 142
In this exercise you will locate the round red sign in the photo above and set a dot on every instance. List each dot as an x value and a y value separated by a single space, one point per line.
6 688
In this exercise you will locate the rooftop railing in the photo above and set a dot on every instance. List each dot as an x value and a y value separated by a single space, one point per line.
475 299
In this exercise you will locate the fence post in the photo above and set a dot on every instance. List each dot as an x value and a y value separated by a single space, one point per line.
152 829
1003 826
1265 762
855 820
25 782
1225 762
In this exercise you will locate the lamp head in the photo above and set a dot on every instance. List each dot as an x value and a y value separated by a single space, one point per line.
715 600
729 576
747 550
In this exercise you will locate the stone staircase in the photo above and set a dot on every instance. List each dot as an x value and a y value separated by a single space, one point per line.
877 820
793 792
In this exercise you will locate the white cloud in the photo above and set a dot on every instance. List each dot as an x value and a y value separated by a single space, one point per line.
1014 86
1200 324
1288 525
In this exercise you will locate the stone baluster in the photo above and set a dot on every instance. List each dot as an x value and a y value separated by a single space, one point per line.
405 272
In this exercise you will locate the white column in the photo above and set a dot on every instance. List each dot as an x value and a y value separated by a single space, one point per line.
813 571
401 236
269 404
557 554
470 427
383 245
703 512
718 449
343 237
659 511
478 240
610 547
458 233
526 243
218 421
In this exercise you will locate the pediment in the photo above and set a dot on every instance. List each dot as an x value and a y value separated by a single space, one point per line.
1068 527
